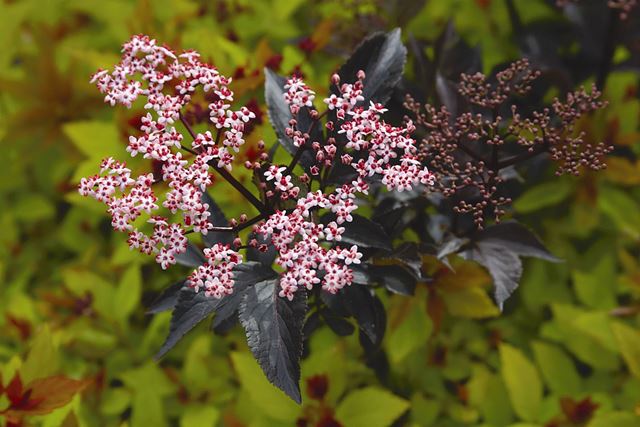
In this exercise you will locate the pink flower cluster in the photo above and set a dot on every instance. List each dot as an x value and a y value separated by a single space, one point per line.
298 95
390 151
307 249
216 276
298 239
167 81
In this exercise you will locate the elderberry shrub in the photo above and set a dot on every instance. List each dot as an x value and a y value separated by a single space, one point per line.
333 220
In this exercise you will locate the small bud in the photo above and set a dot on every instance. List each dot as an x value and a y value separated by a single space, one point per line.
233 222
264 157
237 242
261 145
335 79
248 165
361 75
243 218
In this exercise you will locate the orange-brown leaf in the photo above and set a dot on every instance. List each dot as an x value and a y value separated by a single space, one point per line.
47 394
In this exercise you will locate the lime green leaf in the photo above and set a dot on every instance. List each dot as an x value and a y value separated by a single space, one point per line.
621 208
370 407
543 195
266 397
128 293
201 416
95 139
412 333
628 340
615 419
470 302
34 207
558 370
595 287
522 381
43 359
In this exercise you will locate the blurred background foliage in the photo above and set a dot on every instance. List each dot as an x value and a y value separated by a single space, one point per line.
73 328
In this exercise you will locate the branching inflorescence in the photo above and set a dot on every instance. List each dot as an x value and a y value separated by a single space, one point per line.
308 250
624 7
466 153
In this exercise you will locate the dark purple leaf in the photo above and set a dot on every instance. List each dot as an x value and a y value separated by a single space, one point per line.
339 325
280 115
363 232
395 278
367 309
193 307
274 333
254 254
382 57
499 248
192 257
218 219
167 298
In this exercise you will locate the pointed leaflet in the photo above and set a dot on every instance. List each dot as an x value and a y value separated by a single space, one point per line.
362 232
192 257
193 307
218 219
382 57
249 273
274 333
499 248
368 311
254 254
167 298
280 115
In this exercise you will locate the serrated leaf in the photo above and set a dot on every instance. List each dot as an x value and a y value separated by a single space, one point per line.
254 254
498 248
192 257
192 308
280 115
339 325
382 57
247 274
370 407
167 298
218 219
522 381
364 232
274 333
395 278
367 309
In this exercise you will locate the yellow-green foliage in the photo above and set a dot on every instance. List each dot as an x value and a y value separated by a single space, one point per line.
72 296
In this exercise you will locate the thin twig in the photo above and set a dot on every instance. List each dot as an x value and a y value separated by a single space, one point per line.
226 175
